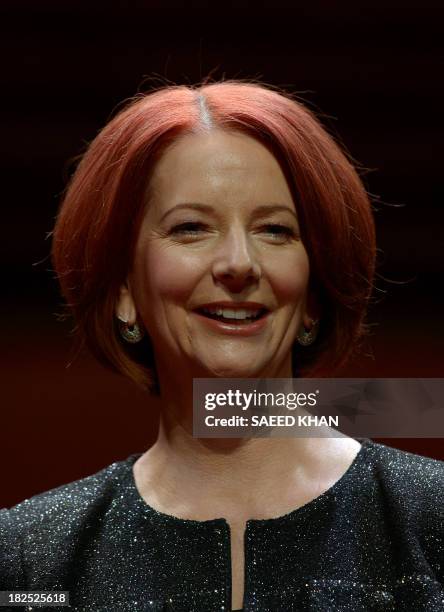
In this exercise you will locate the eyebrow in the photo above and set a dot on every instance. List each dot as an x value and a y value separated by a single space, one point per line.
262 209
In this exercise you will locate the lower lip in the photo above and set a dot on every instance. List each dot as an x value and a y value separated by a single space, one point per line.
235 329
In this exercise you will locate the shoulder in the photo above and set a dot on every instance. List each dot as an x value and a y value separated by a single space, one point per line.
409 490
79 496
50 521
417 478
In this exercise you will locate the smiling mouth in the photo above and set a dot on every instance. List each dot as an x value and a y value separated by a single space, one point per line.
237 317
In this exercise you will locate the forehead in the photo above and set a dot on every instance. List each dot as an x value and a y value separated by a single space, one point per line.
219 164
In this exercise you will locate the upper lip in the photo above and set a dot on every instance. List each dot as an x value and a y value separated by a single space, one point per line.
234 305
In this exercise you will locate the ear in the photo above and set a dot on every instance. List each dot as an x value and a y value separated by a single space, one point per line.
125 308
312 310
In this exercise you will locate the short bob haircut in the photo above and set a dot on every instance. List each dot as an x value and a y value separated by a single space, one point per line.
99 219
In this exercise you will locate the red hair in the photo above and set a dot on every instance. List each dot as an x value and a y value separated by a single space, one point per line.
100 216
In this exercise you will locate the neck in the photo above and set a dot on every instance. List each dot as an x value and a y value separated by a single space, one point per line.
208 478
176 384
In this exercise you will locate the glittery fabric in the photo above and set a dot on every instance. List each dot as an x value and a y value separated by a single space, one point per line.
373 542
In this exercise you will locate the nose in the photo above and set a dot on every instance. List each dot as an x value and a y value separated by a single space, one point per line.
235 264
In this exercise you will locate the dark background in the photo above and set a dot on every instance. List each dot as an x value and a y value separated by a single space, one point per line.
375 70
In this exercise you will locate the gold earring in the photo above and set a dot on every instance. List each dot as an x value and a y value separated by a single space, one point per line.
305 336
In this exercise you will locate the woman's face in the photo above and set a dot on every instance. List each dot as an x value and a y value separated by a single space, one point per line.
219 242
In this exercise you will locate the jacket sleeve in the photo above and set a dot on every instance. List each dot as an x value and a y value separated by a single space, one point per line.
11 570
413 487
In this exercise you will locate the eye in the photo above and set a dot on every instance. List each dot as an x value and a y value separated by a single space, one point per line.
190 228
280 233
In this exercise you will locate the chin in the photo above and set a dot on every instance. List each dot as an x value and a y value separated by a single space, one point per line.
234 371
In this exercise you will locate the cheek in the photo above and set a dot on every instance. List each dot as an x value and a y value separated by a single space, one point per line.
168 276
289 278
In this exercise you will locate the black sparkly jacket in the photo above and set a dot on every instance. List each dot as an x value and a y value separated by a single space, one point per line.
373 542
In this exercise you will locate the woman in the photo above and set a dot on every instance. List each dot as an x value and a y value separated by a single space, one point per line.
225 204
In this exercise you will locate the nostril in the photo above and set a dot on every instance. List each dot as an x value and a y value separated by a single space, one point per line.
237 272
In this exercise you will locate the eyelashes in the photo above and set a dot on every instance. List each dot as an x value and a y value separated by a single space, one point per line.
279 232
188 229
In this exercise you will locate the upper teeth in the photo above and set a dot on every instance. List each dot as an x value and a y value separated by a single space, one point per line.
228 313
